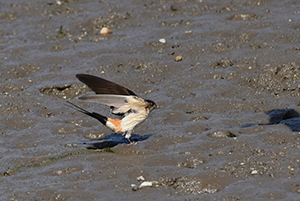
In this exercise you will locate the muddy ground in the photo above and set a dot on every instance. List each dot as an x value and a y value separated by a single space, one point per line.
228 123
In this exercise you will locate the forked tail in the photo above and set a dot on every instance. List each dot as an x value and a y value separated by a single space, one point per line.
95 115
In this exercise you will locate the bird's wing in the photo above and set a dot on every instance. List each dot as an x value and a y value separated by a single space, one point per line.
120 104
106 99
102 86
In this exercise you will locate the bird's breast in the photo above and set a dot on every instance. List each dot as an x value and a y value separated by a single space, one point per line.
133 119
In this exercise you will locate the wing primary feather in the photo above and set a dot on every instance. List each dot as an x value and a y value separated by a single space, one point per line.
103 86
106 99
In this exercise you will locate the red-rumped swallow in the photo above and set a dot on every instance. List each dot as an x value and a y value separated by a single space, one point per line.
122 101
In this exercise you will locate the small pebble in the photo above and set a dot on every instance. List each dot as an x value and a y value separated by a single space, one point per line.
105 31
146 184
140 178
162 40
254 172
222 134
178 58
155 183
134 187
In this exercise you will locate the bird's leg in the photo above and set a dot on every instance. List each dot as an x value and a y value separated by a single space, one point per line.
127 135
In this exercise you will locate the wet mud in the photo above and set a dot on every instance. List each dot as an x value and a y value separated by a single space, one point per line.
225 75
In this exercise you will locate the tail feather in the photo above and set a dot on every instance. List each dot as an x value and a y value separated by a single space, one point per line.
99 117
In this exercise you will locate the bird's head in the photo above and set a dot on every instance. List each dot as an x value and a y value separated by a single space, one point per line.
151 105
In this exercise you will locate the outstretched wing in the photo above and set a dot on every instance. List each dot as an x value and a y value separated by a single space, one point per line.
120 99
102 86
119 104
106 99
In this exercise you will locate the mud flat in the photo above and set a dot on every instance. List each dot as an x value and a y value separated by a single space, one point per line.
225 75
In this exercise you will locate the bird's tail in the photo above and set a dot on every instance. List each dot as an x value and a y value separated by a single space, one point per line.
95 115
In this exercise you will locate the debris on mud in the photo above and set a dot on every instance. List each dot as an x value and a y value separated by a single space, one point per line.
280 78
64 91
188 185
144 184
222 134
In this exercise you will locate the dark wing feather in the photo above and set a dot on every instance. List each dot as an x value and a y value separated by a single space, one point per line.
102 86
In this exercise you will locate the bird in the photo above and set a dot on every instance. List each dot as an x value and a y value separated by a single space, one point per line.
124 103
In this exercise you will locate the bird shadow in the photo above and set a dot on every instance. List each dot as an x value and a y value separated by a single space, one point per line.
288 117
115 139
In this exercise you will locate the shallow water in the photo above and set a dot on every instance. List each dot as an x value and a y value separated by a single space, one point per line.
227 126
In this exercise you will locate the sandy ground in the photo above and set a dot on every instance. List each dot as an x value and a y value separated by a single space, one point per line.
228 123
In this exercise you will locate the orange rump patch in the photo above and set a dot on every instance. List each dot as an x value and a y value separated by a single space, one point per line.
117 124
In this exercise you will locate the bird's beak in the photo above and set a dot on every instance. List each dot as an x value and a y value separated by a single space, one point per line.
154 106
151 105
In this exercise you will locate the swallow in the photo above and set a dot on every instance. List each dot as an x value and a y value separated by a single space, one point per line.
131 109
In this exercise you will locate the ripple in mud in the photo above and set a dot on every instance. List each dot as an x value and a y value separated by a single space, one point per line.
47 161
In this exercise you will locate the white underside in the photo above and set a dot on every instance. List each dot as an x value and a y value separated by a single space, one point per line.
132 120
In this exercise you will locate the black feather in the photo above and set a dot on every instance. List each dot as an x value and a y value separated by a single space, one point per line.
102 86
99 117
